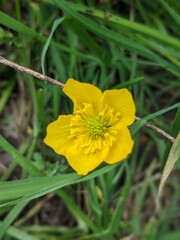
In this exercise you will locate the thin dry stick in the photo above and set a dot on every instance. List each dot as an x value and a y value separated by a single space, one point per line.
61 85
156 129
31 72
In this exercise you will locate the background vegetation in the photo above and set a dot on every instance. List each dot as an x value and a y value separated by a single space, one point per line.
111 44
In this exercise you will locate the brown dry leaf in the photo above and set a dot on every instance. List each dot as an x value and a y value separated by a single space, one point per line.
173 156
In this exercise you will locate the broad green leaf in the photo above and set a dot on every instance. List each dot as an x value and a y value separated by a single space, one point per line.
174 155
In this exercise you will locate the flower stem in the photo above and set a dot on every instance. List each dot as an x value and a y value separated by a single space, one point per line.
61 85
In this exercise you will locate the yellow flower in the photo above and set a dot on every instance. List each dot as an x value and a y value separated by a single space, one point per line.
97 130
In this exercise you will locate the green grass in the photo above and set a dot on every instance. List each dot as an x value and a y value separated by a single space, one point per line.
111 44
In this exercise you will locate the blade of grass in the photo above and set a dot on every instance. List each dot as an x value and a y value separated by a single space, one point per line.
117 215
128 24
29 189
102 31
94 203
19 27
113 36
56 23
83 220
5 94
172 13
129 83
89 41
20 234
13 214
140 123
34 186
20 159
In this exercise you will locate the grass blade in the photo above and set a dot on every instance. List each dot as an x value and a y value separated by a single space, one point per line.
105 32
46 46
19 27
20 159
11 217
140 123
31 188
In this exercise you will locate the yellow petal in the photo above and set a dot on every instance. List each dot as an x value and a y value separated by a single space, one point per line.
57 135
121 147
81 93
83 163
121 100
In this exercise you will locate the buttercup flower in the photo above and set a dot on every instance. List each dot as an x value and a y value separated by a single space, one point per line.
97 130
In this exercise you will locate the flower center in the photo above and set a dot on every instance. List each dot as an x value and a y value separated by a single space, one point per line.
96 127
92 131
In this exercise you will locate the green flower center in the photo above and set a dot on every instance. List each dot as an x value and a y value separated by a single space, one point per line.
96 127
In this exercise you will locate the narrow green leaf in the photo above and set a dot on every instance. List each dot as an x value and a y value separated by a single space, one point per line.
11 217
129 83
76 211
20 159
19 27
19 234
35 187
140 123
170 235
174 155
109 34
7 21
88 40
5 94
46 46
128 24
172 13
114 223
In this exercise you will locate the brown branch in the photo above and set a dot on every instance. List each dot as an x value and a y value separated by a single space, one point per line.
61 85
31 72
158 130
